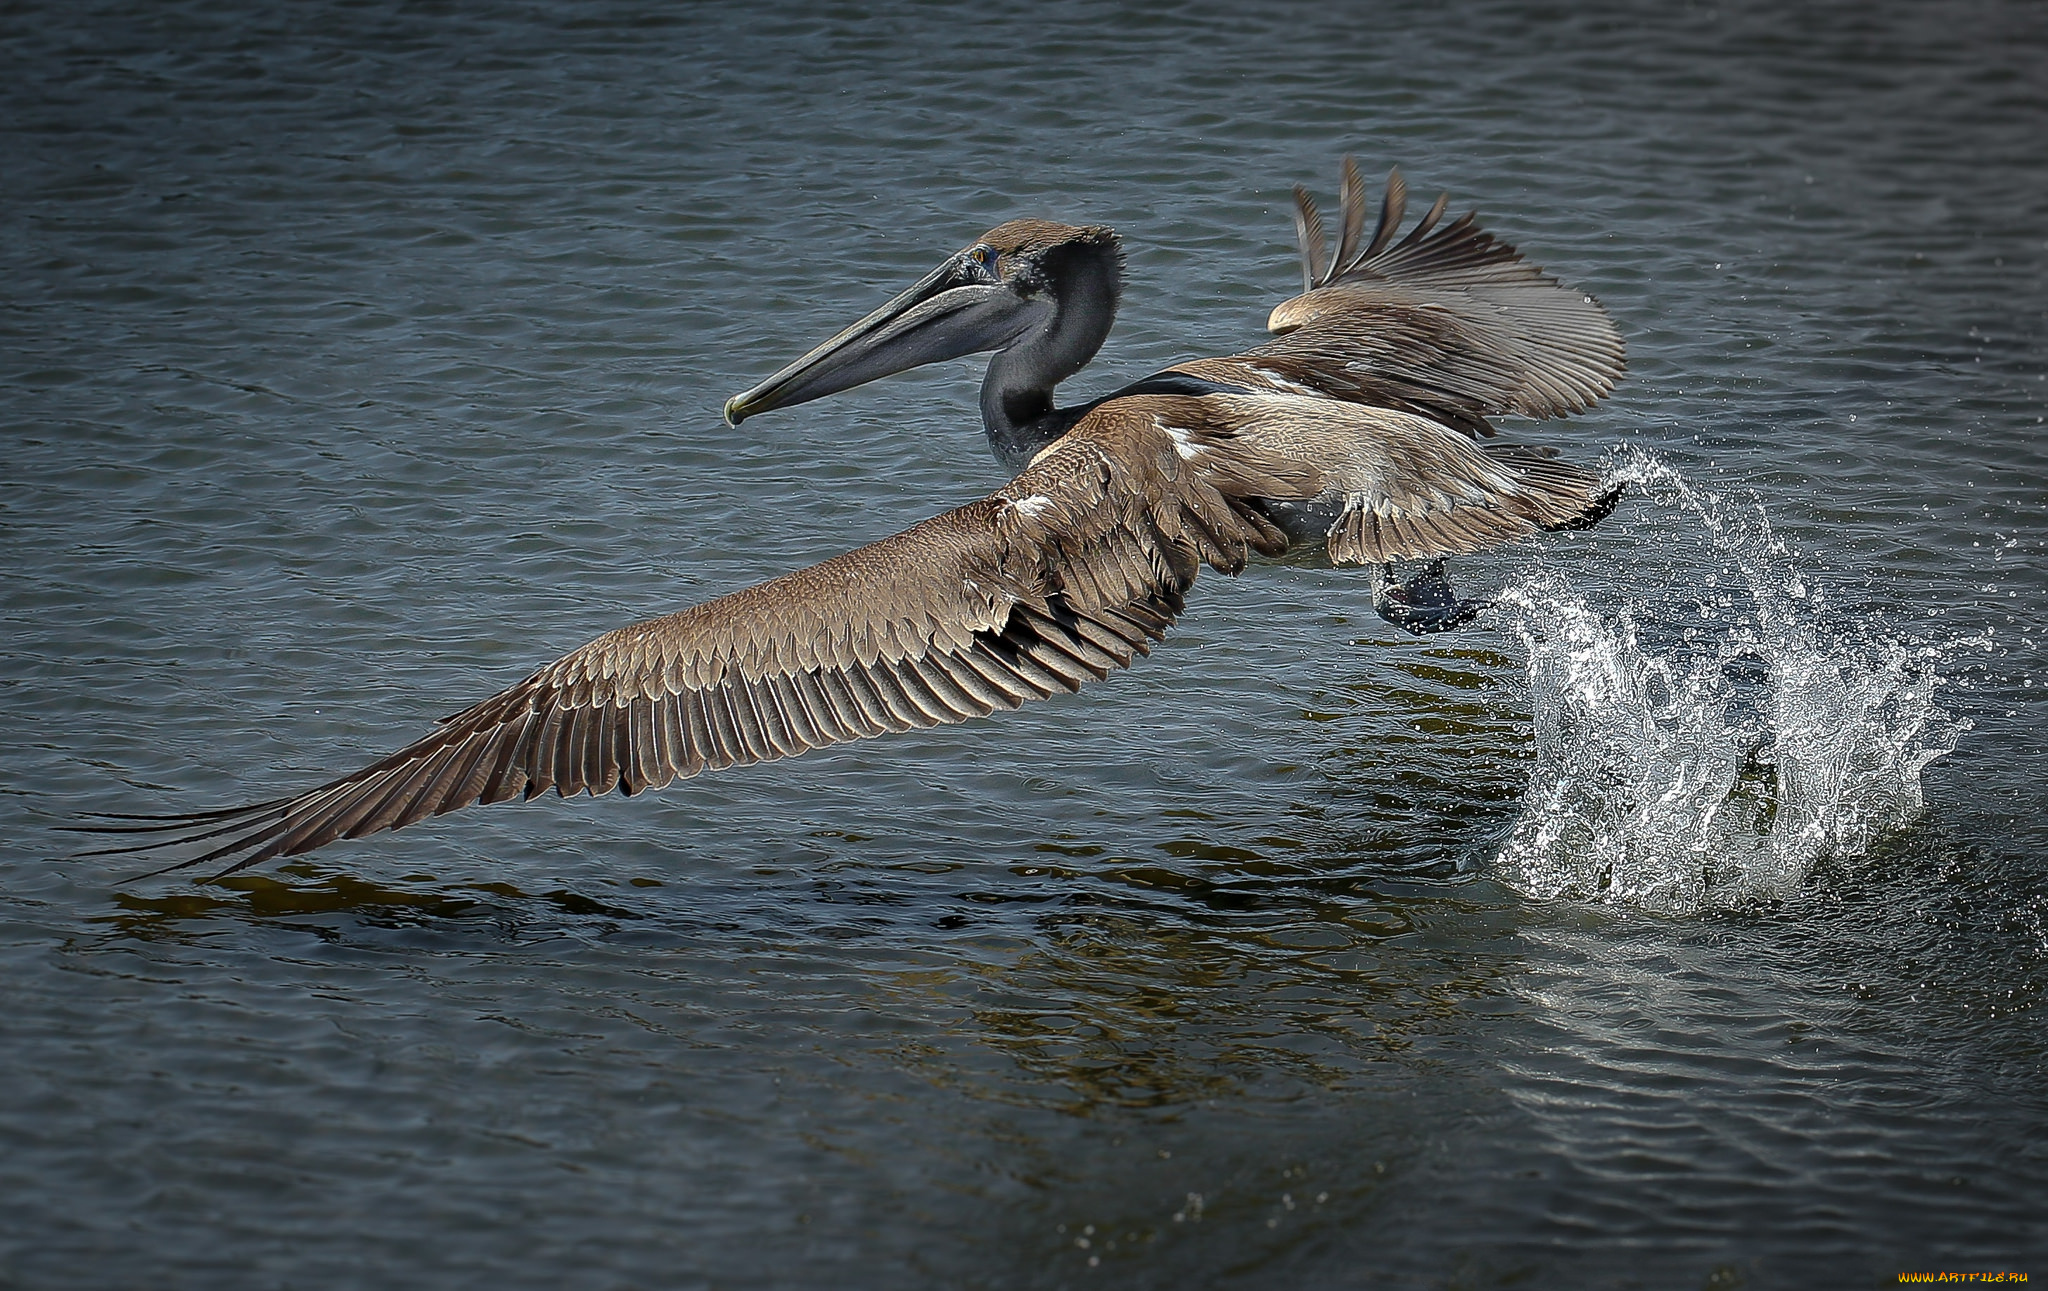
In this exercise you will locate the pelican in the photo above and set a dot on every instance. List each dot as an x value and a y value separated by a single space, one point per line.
1357 427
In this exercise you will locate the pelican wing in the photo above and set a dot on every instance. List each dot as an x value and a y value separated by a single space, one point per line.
1404 487
1447 322
1068 573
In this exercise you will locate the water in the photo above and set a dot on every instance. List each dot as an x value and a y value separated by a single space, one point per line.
1684 926
1718 769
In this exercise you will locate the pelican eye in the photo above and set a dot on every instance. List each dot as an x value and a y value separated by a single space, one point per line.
987 257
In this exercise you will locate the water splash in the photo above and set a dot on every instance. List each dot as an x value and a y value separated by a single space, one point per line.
1712 761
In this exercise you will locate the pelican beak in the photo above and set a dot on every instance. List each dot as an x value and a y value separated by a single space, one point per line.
948 313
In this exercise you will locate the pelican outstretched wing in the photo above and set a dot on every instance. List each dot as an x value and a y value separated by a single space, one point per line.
1449 322
1066 574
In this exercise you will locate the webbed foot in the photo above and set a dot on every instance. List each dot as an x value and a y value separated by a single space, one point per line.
1425 603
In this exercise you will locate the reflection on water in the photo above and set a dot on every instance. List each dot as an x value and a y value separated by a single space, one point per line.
1713 765
1118 1009
296 890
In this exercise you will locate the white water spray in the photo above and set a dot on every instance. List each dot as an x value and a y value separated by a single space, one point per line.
1715 769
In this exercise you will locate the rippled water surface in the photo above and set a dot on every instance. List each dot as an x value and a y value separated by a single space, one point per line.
1684 924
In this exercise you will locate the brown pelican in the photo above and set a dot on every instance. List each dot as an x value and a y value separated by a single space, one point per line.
1356 427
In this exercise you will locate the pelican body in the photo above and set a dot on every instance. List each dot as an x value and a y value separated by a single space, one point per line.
1388 348
1357 427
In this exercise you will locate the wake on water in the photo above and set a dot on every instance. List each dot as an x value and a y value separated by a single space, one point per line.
1716 765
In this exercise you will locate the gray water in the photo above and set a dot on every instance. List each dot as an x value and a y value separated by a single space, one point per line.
1684 924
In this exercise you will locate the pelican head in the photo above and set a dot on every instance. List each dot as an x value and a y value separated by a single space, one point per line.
1041 294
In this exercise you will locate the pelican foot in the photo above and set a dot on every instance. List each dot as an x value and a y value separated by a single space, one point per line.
1425 603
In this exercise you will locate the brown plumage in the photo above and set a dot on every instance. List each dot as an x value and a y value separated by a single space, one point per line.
1353 427
1065 575
1450 323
